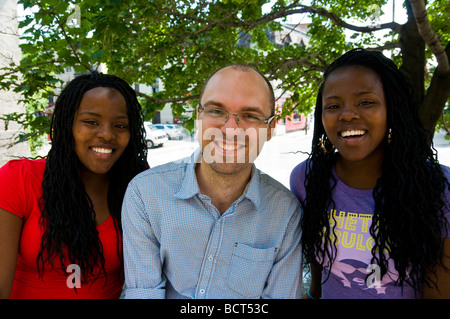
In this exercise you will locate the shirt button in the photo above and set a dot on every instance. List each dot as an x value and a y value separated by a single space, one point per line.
202 291
210 258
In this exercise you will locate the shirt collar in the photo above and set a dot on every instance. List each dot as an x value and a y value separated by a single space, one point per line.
253 190
189 186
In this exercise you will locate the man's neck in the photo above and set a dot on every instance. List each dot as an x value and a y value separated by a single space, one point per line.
223 189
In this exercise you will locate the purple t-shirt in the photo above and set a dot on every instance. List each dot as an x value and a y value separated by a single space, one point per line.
349 273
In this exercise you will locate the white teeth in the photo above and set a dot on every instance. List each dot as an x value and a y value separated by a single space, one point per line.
352 133
102 150
228 147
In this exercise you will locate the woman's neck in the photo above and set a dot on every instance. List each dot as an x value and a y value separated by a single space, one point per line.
361 174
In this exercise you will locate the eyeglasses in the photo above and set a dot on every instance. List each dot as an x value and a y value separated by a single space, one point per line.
218 116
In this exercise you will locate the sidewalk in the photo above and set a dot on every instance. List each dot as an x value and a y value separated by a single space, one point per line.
442 147
282 153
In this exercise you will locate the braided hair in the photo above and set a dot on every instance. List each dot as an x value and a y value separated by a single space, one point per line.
409 197
67 215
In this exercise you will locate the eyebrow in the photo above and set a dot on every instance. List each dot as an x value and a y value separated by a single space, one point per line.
98 115
357 94
365 92
215 103
244 109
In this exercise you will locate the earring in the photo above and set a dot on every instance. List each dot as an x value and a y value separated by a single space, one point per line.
322 142
389 136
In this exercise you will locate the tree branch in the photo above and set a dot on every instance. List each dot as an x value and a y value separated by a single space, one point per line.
282 13
289 64
164 101
428 35
24 68
387 46
290 10
333 17
74 51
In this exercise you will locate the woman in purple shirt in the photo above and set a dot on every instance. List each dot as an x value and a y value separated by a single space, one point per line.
375 198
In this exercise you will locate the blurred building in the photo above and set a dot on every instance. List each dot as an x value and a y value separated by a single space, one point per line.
9 100
290 34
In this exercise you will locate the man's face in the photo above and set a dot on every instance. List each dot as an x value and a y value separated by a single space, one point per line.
231 147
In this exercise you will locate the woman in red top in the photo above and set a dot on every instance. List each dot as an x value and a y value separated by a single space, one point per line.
60 228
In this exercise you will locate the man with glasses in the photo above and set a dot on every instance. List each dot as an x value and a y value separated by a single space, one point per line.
214 226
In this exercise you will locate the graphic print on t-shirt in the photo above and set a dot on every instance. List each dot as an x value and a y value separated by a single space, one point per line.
354 275
352 267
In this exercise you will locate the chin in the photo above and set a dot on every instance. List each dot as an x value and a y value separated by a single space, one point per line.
229 168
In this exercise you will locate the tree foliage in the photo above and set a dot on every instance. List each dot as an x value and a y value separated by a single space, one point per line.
181 42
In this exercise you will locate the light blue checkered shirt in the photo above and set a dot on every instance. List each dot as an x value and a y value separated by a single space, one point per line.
177 245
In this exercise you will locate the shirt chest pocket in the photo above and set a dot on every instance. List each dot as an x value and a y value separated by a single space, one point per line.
249 269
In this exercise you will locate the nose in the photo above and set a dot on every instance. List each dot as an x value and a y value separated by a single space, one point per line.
229 122
105 132
349 112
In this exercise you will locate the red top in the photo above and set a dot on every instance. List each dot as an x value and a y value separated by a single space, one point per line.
20 191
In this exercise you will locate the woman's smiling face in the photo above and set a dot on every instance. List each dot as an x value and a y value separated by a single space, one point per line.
100 129
354 112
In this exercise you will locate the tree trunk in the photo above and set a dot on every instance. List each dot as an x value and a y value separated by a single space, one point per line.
432 102
413 53
430 109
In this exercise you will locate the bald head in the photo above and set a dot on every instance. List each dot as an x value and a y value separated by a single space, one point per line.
244 68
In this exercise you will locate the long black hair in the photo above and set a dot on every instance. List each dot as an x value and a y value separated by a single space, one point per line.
409 197
68 216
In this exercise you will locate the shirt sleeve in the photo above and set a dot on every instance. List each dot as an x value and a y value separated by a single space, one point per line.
144 277
12 188
297 181
285 279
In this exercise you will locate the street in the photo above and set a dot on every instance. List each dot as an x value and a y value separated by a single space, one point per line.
277 158
279 155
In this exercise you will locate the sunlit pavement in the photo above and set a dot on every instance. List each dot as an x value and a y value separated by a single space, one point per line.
277 158
279 155
442 147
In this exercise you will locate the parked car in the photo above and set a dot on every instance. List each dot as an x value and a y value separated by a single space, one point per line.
183 130
154 136
172 131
